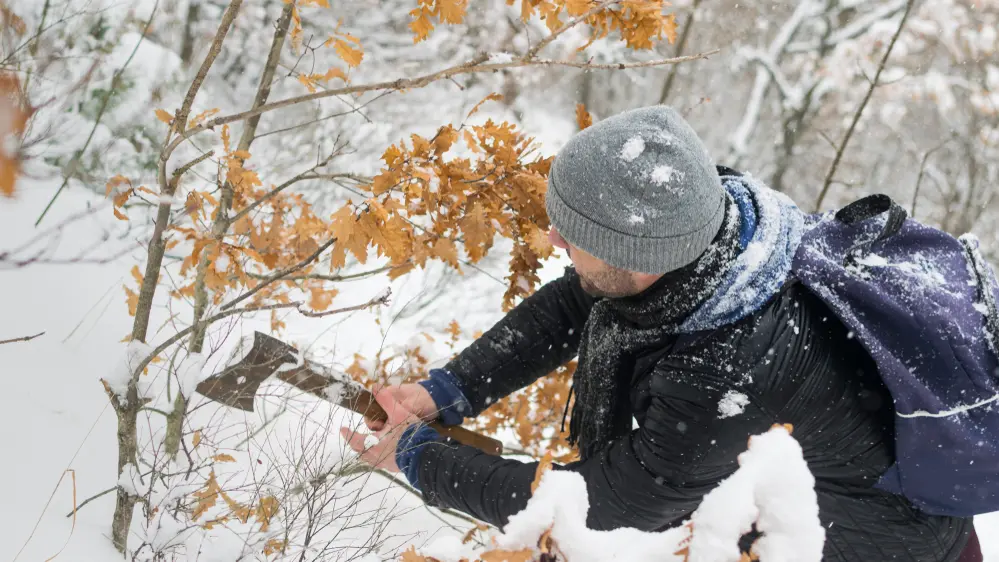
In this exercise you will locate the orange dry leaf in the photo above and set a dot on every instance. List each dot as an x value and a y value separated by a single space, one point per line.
410 555
445 11
199 118
491 97
543 466
348 53
523 555
14 115
164 116
583 117
12 20
274 546
223 457
132 299
196 439
266 510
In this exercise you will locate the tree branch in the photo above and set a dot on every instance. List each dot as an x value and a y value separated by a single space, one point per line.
22 338
382 298
332 278
761 84
860 110
474 66
227 18
211 319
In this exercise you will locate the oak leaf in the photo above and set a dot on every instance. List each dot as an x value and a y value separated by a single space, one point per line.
491 97
347 52
583 117
523 555
132 299
164 116
543 466
421 25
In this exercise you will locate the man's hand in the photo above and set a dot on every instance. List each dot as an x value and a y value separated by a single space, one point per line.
382 453
413 398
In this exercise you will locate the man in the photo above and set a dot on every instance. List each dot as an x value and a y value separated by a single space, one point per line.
685 318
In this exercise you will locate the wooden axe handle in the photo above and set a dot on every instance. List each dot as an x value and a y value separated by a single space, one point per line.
364 403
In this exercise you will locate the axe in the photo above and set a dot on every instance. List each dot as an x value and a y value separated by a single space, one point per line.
237 385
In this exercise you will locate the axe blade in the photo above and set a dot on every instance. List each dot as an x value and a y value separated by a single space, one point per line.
237 384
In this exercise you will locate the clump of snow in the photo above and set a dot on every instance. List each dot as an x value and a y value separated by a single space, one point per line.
872 260
772 488
370 440
499 58
662 174
190 372
130 481
633 148
732 404
636 219
120 376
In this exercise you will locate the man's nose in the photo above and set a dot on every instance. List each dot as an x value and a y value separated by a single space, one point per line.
556 239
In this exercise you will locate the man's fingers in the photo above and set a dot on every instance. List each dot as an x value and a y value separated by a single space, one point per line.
395 411
354 439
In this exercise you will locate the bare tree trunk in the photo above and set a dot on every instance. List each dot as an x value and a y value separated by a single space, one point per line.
187 47
128 410
175 420
680 46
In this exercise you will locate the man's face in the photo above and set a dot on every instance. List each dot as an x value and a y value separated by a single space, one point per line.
597 277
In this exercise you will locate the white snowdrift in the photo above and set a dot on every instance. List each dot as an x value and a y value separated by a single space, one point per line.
772 487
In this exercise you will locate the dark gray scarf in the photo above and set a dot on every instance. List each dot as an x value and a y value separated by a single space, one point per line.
619 328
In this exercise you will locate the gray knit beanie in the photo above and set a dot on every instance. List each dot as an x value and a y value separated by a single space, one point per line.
638 191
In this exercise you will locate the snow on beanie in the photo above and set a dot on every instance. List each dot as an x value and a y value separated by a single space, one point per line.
638 191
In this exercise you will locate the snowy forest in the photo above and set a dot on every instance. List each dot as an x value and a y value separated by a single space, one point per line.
365 182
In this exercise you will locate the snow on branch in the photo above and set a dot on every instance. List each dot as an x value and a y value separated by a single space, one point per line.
805 10
851 31
772 488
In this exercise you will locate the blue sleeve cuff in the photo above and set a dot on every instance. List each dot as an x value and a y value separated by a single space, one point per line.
407 453
448 397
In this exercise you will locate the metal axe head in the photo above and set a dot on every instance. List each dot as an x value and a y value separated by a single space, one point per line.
237 384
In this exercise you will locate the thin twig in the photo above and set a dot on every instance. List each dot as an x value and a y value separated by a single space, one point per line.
92 498
179 172
860 110
279 275
380 299
23 338
922 173
333 278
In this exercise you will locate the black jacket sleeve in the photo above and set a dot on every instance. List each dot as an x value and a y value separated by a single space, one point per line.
650 479
534 338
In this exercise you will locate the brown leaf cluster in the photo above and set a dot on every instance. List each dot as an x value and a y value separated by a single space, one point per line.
531 411
426 204
207 497
641 23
